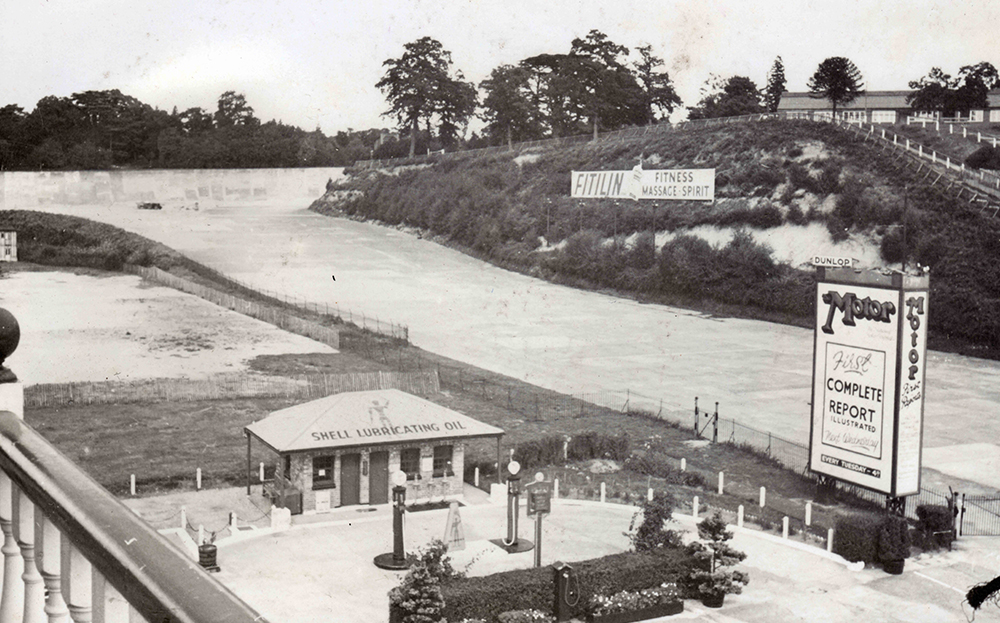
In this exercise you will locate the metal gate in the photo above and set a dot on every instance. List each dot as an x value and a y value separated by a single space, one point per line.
980 515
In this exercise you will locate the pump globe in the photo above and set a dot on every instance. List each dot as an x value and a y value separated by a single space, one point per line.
399 478
513 467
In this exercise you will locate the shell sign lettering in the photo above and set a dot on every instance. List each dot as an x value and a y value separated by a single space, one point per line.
868 376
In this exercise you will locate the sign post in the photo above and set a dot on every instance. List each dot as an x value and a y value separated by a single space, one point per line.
868 380
539 495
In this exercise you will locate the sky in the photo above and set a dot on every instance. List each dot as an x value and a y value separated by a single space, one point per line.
315 62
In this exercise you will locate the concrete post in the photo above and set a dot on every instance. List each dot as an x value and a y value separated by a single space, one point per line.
132 484
683 464
739 516
763 496
197 479
809 513
694 507
784 527
829 540
721 482
649 494
603 492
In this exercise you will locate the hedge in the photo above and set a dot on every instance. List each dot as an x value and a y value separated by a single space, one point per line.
857 537
488 596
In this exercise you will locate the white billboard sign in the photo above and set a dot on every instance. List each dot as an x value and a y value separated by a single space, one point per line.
678 184
868 378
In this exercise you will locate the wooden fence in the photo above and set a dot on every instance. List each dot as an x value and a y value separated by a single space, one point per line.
224 386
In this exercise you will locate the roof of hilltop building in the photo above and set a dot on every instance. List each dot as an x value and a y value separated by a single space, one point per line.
365 418
888 100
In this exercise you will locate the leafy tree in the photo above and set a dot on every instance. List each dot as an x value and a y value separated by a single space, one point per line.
660 98
606 92
775 85
838 80
418 85
234 110
713 556
938 91
736 96
932 92
508 108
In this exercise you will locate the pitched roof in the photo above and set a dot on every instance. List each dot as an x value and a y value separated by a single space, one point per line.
365 418
870 100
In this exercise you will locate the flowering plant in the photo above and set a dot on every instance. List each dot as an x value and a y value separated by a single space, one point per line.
628 601
526 616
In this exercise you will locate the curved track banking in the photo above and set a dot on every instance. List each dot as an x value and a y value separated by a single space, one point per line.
554 336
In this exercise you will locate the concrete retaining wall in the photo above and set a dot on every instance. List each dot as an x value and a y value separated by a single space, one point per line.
171 187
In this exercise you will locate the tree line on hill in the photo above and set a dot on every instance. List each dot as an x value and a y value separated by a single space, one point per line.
108 129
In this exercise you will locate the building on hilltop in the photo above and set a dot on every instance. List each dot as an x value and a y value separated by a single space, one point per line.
881 107
340 450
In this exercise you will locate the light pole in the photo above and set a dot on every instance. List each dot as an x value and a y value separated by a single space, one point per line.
396 559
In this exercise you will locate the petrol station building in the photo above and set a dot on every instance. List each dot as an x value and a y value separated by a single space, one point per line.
340 450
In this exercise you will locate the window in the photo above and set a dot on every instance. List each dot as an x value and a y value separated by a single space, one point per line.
409 462
442 461
323 472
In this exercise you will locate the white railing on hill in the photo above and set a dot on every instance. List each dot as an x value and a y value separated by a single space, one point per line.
73 552
979 181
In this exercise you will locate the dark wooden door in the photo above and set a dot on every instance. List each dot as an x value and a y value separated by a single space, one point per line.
378 480
350 479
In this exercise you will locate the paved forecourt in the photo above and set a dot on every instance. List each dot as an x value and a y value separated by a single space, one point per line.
322 567
557 337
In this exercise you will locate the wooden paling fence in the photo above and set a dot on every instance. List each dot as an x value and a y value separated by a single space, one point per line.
224 386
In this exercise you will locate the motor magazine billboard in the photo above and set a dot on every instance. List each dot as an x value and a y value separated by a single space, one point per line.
868 379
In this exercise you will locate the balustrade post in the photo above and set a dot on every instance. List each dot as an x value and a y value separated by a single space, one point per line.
12 595
50 566
109 605
78 584
24 533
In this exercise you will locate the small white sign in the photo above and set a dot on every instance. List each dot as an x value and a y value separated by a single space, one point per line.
831 262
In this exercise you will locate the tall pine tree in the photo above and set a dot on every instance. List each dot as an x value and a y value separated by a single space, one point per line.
775 85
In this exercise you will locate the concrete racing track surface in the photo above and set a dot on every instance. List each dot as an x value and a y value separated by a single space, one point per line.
557 337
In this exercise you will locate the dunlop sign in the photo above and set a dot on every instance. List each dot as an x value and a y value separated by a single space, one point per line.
680 184
868 379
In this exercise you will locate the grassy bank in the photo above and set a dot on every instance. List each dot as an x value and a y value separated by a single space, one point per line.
514 210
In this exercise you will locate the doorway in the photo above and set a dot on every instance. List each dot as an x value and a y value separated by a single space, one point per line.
378 481
350 479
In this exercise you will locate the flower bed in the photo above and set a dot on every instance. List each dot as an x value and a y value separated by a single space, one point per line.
629 606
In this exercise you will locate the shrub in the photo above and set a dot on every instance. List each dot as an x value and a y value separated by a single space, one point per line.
765 216
630 601
544 451
892 246
936 524
489 596
709 576
652 533
986 157
598 446
893 539
855 537
525 616
796 216
652 463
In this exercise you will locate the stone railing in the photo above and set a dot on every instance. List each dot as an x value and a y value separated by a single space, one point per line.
72 552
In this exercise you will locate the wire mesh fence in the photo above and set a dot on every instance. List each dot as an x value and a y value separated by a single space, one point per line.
270 313
225 386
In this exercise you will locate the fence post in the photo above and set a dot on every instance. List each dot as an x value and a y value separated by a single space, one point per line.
132 484
784 527
739 516
603 492
262 471
809 513
475 476
763 496
197 479
829 539
715 424
694 507
696 416
721 481
683 464
649 494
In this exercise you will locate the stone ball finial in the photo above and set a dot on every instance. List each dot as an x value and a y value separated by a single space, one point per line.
10 335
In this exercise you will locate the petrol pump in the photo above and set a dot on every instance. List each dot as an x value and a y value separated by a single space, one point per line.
396 559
